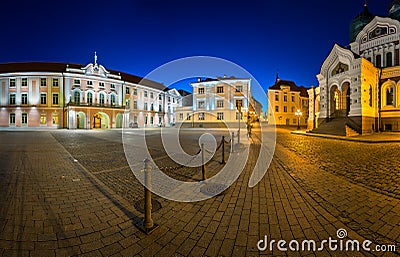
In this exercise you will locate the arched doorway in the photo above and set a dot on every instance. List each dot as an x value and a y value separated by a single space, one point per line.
119 120
346 98
80 120
101 120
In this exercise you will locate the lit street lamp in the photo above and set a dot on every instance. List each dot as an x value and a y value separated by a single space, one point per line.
298 114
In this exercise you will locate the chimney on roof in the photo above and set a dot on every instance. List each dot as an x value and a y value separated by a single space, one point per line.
224 76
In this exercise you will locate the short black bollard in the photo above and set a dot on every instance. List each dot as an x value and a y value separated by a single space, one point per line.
223 150
147 225
203 165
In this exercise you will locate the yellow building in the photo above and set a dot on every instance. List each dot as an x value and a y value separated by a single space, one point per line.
285 99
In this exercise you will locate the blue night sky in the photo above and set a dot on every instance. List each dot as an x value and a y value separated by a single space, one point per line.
292 37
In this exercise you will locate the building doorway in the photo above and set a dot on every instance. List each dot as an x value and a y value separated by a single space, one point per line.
101 120
80 120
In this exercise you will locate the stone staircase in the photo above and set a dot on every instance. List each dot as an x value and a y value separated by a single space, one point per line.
336 126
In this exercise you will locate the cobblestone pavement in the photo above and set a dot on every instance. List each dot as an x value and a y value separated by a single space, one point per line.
69 193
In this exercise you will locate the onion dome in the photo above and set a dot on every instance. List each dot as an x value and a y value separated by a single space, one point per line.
394 9
360 22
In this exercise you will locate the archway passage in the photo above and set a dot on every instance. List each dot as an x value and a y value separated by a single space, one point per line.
80 120
119 120
340 101
101 120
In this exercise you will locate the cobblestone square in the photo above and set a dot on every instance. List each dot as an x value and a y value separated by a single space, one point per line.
72 192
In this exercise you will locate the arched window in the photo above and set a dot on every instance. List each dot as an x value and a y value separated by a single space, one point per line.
389 96
77 97
389 59
370 95
112 98
101 99
378 61
89 98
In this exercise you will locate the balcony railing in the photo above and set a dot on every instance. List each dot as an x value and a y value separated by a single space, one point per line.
106 105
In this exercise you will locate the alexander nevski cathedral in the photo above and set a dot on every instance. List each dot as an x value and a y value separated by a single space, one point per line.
359 85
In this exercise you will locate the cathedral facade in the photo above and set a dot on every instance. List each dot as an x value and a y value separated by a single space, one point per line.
359 85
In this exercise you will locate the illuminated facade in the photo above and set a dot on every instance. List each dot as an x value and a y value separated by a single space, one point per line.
359 85
285 98
218 101
61 95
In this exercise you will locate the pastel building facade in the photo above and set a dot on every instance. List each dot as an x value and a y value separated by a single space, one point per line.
61 95
220 100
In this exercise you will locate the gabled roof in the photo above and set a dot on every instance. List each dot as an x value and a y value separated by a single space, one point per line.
61 67
292 85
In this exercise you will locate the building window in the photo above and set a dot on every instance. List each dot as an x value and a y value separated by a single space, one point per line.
77 97
389 58
24 119
55 119
180 116
77 81
389 96
145 106
43 82
370 96
159 97
127 90
220 115
201 105
12 118
276 108
12 99
173 100
112 99
239 104
220 103
239 88
151 95
43 119
135 91
89 98
55 99
101 84
89 83
128 103
135 119
188 116
284 108
294 121
151 120
285 97
43 98
292 109
145 93
276 97
135 105
201 116
378 61
220 90
145 120
24 98
12 82
112 86
292 98
160 108
55 82
24 82
151 107
102 99
201 90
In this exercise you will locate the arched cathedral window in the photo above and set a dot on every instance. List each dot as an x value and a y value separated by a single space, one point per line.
77 97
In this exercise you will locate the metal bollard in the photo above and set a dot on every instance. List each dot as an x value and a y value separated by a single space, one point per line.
203 165
148 221
232 142
223 150
147 225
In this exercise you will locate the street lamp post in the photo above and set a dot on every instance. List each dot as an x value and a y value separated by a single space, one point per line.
298 114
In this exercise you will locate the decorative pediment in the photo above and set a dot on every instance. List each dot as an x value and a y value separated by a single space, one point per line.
174 92
97 70
339 60
378 27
